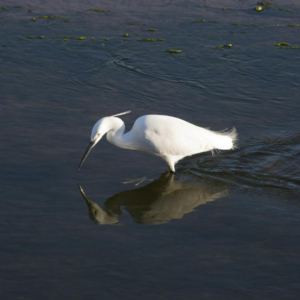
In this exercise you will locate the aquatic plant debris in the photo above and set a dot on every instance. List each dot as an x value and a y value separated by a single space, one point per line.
151 40
173 51
258 8
199 21
67 21
40 37
293 25
126 34
98 10
292 47
282 44
30 37
81 38
224 46
151 29
33 19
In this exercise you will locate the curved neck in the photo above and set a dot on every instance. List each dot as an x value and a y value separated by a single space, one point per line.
115 131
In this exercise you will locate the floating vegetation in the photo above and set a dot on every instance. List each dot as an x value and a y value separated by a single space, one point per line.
290 11
224 46
282 44
93 39
81 38
265 4
235 24
2 7
30 10
67 21
200 21
243 32
126 34
293 25
98 10
33 19
293 47
67 37
173 51
30 37
151 29
151 40
224 9
40 37
50 17
258 8
107 39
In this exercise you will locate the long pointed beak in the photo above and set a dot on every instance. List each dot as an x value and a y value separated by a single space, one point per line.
88 150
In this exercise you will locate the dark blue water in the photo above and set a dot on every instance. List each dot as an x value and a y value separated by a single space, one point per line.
224 226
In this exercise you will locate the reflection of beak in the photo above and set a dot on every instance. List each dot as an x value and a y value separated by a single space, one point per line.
88 150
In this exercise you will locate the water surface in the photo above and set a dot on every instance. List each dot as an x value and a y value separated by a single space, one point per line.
226 226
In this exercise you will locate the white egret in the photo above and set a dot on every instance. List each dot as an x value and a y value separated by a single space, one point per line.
169 138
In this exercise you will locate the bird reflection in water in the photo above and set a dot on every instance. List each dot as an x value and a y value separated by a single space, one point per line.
159 202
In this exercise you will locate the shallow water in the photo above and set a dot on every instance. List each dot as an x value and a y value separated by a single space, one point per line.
226 226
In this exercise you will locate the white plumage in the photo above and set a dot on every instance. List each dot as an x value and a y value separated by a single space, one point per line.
170 138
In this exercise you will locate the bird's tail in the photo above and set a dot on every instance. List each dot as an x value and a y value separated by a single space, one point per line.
226 140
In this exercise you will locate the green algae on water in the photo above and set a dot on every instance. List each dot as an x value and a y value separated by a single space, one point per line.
98 10
151 29
293 25
40 37
258 8
173 51
30 10
67 37
126 35
282 44
224 9
235 24
293 47
224 46
67 21
2 7
30 37
80 38
151 40
107 39
199 21
33 19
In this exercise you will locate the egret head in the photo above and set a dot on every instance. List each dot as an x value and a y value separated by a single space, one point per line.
99 129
